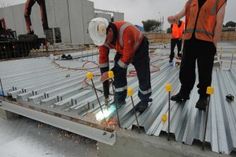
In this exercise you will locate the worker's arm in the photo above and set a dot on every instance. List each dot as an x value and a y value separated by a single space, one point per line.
171 26
128 50
104 58
183 26
219 23
104 67
175 18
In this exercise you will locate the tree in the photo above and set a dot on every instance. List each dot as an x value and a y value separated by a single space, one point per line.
230 24
151 25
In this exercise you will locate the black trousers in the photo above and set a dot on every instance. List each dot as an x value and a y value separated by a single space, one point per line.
141 62
203 53
173 44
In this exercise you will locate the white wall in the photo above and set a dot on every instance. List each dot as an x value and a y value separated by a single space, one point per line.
104 15
89 14
57 14
71 16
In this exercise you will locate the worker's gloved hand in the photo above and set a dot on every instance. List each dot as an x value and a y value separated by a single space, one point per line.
104 76
172 19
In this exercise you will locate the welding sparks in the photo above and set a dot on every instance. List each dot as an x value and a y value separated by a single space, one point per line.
106 113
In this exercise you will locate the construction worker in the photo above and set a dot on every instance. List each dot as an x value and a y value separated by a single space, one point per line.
28 7
176 39
204 19
131 47
2 24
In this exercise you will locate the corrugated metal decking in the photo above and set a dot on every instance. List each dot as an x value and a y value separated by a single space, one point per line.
61 88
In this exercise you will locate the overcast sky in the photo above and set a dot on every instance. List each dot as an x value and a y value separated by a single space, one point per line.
138 10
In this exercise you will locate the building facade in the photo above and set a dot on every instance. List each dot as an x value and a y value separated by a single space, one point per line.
70 17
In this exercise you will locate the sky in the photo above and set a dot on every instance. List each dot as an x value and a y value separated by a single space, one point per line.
138 10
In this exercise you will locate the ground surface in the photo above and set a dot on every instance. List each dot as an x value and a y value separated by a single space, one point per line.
23 137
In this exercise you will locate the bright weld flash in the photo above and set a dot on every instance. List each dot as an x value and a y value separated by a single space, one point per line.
106 113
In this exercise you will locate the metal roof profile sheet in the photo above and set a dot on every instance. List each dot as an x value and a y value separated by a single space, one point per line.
187 122
40 82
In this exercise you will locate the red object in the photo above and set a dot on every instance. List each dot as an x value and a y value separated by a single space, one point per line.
28 8
131 41
177 32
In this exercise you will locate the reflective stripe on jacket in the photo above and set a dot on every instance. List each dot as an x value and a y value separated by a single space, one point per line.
128 40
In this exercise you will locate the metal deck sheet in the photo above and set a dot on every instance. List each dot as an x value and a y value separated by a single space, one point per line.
60 86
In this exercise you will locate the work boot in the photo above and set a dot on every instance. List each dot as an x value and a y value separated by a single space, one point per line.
69 57
141 107
118 104
179 98
202 103
63 56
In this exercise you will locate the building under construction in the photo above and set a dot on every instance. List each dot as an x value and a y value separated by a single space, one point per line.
51 22
57 90
69 18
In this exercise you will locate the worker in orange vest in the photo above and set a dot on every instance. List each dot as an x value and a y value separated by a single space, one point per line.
131 47
204 19
177 30
28 7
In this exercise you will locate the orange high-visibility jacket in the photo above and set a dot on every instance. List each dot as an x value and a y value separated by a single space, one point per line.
177 32
206 20
128 40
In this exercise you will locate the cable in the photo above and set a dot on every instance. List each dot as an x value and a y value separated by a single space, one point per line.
131 73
